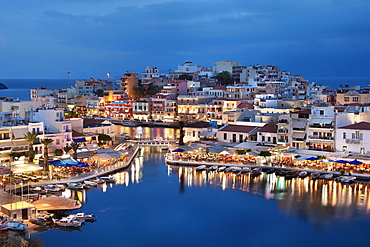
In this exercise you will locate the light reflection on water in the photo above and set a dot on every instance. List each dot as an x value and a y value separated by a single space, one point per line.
294 195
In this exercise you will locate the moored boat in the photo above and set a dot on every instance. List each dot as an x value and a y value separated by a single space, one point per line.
302 174
327 176
90 183
83 216
97 180
221 168
41 220
76 186
315 175
291 174
200 168
270 171
346 179
108 179
15 226
68 222
213 168
245 170
256 171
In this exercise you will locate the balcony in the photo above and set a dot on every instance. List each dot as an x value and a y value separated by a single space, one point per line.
283 121
282 131
353 141
328 126
321 137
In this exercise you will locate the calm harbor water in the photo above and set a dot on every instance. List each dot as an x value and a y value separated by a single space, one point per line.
157 205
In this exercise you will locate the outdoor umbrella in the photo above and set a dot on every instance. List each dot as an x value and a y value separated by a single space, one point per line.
355 162
178 150
312 158
341 161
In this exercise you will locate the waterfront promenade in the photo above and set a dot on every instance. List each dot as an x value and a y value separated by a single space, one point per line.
105 170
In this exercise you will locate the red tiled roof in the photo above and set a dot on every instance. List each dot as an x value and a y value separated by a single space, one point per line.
201 124
357 126
219 88
76 134
238 128
245 105
269 128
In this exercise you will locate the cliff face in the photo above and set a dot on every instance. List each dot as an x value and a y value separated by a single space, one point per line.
2 86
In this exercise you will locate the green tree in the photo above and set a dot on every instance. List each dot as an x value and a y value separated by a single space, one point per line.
186 77
66 149
224 78
46 142
99 92
30 138
265 153
58 152
14 155
104 138
74 147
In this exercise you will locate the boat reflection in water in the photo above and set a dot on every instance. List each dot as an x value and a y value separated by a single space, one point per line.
302 197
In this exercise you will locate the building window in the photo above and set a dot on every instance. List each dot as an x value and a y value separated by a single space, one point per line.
344 135
355 99
346 99
321 112
362 151
225 136
344 148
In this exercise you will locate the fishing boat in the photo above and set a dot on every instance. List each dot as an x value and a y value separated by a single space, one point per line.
221 168
213 168
291 174
83 216
41 220
68 222
200 168
52 188
75 186
346 179
302 174
315 175
97 180
245 170
256 171
15 226
270 171
90 183
280 172
108 179
327 176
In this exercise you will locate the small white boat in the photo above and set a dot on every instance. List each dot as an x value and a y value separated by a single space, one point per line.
328 176
76 186
200 168
221 169
97 180
108 179
213 168
302 174
52 188
90 183
68 222
346 179
245 170
256 171
83 216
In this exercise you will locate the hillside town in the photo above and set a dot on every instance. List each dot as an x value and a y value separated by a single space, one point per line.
246 106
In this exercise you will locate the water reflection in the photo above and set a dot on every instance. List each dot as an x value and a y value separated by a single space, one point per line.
146 132
301 197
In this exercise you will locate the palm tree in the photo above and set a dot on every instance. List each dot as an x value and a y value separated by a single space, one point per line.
30 138
46 143
74 147
182 133
66 149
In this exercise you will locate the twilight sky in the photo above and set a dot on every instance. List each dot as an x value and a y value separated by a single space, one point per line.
314 38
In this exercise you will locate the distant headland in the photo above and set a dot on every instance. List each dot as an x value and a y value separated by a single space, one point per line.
2 86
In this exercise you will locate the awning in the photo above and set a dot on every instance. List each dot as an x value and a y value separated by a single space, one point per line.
299 125
19 133
207 133
67 163
315 120
298 135
311 152
5 144
82 139
246 145
20 143
321 120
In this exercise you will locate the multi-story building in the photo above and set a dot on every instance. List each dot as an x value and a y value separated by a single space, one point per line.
321 129
119 109
141 109
354 138
151 73
297 128
170 111
351 97
193 107
128 81
158 108
268 134
224 65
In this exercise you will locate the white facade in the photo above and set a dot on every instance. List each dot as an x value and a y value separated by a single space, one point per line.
353 140
224 65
